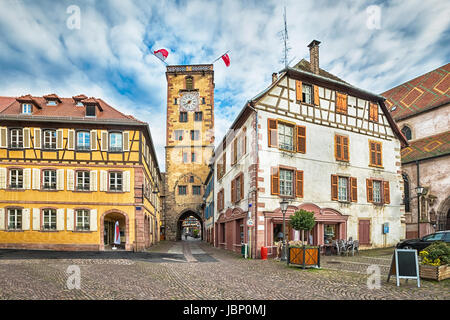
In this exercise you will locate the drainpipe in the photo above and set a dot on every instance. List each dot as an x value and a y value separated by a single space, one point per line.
256 181
418 201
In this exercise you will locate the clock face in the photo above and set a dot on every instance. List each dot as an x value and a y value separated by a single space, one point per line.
189 101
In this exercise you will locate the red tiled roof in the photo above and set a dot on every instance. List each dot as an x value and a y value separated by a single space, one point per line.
5 102
425 92
52 96
429 147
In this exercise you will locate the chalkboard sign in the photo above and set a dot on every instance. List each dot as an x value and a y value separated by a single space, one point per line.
405 265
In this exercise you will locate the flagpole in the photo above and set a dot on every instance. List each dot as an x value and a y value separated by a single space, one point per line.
220 56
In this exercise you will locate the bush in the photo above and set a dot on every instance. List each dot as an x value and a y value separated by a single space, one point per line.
437 254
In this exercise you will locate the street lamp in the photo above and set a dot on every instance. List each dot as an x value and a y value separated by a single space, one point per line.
284 205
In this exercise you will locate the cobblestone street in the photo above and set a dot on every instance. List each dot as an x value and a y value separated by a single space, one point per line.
194 270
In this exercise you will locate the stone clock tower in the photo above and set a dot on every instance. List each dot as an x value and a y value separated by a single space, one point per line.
189 143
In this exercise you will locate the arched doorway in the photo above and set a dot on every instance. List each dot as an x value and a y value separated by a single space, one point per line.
443 215
107 226
189 222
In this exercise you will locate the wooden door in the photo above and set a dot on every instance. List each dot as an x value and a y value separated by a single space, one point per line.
364 231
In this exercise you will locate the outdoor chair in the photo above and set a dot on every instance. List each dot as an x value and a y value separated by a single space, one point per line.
342 247
335 245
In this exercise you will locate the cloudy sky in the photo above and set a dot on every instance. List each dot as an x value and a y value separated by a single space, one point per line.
374 45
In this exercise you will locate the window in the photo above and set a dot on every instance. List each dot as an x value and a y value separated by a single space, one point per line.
14 219
83 140
198 116
286 137
51 103
16 179
237 188
307 93
341 148
203 100
435 237
191 179
407 132
196 190
90 111
406 200
373 112
50 139
82 219
341 103
178 135
26 108
344 188
182 190
195 135
286 182
221 166
83 183
175 101
375 154
16 141
183 116
49 217
193 157
378 191
189 83
185 157
49 180
115 142
220 200
115 181
79 104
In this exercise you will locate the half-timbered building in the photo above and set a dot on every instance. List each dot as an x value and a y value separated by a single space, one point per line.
323 144
70 168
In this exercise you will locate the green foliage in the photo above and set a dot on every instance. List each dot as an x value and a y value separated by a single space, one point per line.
437 254
196 232
302 220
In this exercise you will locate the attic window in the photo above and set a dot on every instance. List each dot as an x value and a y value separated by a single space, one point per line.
90 111
79 104
51 103
26 108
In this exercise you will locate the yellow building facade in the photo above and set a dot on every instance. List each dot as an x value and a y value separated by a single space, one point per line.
70 168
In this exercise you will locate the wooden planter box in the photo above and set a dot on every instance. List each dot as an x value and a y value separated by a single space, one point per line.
434 273
304 256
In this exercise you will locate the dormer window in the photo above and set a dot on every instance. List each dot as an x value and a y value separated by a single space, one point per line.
90 111
51 103
79 104
26 108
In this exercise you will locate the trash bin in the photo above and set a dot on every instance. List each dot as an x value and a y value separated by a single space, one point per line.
244 249
264 253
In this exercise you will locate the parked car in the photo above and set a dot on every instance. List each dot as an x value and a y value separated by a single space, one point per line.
420 244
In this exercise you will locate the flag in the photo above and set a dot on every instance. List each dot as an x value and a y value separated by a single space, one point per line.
161 54
117 233
226 59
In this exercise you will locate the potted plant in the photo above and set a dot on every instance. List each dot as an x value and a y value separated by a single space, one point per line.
434 261
298 252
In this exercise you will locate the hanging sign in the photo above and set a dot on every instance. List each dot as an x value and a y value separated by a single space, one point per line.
250 223
405 265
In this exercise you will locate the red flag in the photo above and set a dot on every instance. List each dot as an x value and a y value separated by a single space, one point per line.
161 54
226 59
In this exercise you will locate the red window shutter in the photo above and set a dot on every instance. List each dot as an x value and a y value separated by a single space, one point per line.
334 187
338 147
299 184
354 189
386 193
301 139
298 87
233 191
369 185
242 186
316 96
275 180
273 134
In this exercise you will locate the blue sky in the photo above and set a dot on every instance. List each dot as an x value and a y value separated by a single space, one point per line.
108 56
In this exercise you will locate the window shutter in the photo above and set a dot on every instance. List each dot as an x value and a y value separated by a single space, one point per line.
36 184
273 134
369 184
301 139
338 147
60 219
334 187
37 138
378 151
299 184
345 153
2 178
242 187
244 144
103 180
126 141
298 87
386 192
233 191
2 219
275 180
93 180
341 102
71 139
60 179
3 137
353 189
70 179
70 220
59 139
27 178
104 140
36 219
373 112
93 220
26 219
26 138
93 142
126 181
316 96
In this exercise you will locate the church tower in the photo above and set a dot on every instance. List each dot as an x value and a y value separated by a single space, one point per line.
189 143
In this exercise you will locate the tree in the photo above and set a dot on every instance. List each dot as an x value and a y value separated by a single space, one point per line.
303 220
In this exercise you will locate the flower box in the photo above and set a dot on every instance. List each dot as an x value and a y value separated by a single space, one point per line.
305 256
434 272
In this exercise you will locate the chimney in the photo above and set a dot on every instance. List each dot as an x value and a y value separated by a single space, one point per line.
274 77
314 56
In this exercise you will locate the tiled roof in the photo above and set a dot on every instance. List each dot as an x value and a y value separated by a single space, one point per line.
306 66
428 147
419 94
65 109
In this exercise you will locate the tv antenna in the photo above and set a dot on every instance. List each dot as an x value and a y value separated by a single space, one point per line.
285 37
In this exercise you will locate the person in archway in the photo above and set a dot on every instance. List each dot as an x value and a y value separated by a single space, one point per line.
185 235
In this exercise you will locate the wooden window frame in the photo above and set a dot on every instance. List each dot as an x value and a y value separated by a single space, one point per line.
84 182
20 138
21 170
199 188
198 116
44 170
17 220
236 196
53 144
220 200
195 137
311 94
373 112
298 182
84 148
111 148
185 190
385 197
76 227
380 153
339 147
43 212
116 178
28 105
352 188
341 104
184 117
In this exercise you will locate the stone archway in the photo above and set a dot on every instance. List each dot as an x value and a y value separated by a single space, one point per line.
443 215
183 216
111 216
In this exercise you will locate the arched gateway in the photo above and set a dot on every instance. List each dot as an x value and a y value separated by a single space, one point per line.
187 222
